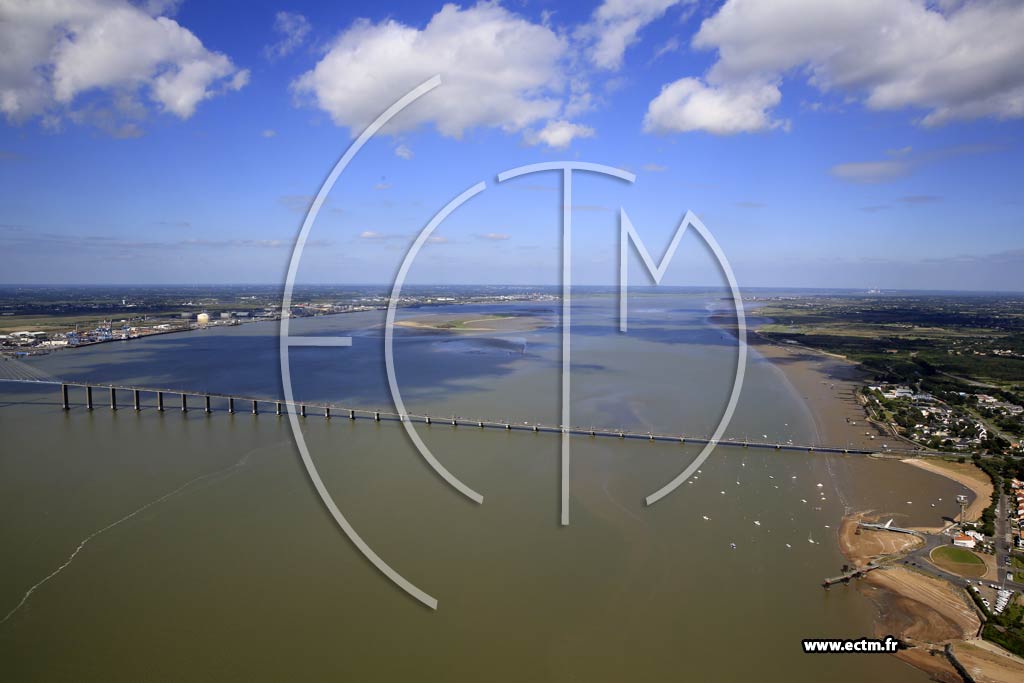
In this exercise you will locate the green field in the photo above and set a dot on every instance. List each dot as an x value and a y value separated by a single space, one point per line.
959 561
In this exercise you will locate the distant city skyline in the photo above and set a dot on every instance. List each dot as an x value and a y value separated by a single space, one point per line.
181 142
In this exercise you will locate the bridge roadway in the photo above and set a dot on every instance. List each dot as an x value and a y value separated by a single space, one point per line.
327 410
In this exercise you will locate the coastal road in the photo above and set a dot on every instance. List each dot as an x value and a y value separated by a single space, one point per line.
919 558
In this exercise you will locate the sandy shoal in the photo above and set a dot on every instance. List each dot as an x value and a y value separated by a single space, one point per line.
967 474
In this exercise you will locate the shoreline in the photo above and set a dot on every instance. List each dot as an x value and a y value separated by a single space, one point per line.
961 473
828 384
924 612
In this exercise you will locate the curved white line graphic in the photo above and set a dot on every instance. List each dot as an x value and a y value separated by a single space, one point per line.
286 379
389 334
741 362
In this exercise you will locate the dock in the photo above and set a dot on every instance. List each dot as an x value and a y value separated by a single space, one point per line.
847 576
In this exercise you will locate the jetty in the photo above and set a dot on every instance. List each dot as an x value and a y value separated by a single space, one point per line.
847 576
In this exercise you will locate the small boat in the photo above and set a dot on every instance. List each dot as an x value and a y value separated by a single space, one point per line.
706 518
733 546
757 522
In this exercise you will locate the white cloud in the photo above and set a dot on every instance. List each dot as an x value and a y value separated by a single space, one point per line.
616 25
382 186
269 133
56 51
558 134
494 236
654 168
690 105
293 28
403 152
954 61
498 70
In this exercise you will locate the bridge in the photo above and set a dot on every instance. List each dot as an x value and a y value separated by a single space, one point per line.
210 401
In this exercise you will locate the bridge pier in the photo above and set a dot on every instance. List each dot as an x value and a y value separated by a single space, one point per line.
480 424
427 419
508 426
327 412
160 401
255 407
376 417
184 403
88 398
207 406
536 428
302 410
113 398
138 401
64 397
351 414
231 406
277 408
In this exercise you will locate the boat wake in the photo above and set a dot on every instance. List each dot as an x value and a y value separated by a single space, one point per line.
85 541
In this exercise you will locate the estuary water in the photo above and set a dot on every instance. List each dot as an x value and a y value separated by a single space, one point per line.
199 549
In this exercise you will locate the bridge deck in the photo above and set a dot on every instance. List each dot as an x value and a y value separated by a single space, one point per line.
301 408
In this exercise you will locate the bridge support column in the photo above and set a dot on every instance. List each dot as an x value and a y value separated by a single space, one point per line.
64 397
351 414
160 401
206 404
113 398
455 422
255 408
508 426
231 406
302 410
88 398
427 419
376 417
277 408
184 403
138 402
327 412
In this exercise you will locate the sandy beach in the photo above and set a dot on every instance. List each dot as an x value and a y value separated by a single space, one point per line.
924 612
967 474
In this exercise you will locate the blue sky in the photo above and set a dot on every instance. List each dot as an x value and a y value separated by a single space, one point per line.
181 142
